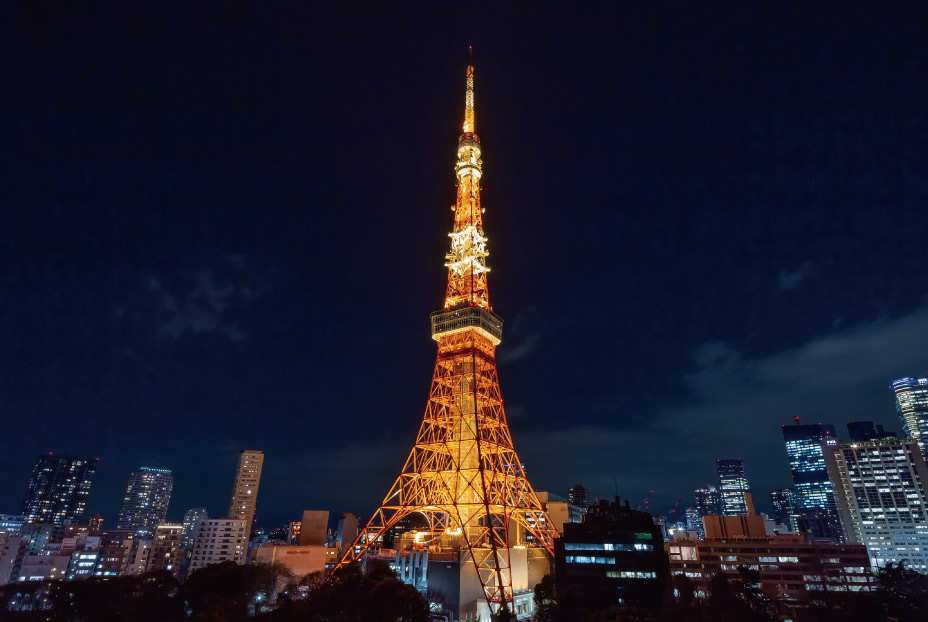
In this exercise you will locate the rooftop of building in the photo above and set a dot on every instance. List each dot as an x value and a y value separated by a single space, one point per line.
617 513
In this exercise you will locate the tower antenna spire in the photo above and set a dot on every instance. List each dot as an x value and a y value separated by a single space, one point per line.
469 127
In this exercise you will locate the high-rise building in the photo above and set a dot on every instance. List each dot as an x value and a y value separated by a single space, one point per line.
579 496
245 493
347 531
58 489
912 407
463 486
708 501
863 431
192 519
882 500
733 483
219 540
784 508
694 522
145 503
812 488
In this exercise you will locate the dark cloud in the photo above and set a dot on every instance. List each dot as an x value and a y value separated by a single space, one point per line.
791 279
208 300
736 408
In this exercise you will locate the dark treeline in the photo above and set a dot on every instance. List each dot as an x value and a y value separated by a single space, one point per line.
224 592
902 596
229 592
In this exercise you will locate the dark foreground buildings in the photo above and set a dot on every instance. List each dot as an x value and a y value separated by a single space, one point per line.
615 556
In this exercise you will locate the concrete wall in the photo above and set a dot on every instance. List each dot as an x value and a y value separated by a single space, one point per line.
300 560
313 528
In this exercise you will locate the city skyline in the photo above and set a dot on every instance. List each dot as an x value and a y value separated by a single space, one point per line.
707 223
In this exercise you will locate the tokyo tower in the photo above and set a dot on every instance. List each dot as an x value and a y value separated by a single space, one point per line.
462 495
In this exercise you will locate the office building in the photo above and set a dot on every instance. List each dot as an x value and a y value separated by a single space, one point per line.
58 489
219 540
912 408
694 522
580 496
811 486
192 519
733 483
145 503
813 495
784 508
708 501
614 557
245 492
788 566
881 495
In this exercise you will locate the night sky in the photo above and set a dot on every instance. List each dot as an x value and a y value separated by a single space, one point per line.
224 227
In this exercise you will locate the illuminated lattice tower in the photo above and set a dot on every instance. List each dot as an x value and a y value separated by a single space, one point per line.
463 482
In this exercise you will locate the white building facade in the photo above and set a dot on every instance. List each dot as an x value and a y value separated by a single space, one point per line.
880 489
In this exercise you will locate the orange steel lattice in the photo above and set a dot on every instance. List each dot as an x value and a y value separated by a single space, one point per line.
463 475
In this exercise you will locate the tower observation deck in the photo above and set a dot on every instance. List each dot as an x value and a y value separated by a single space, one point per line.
462 495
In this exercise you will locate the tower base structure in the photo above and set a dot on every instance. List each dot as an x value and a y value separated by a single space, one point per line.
450 582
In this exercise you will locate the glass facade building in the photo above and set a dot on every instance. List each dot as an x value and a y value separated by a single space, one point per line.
708 501
912 408
863 431
146 501
58 489
784 507
811 485
579 495
733 483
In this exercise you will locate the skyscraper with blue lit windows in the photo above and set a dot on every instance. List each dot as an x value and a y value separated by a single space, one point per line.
912 407
733 483
811 486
